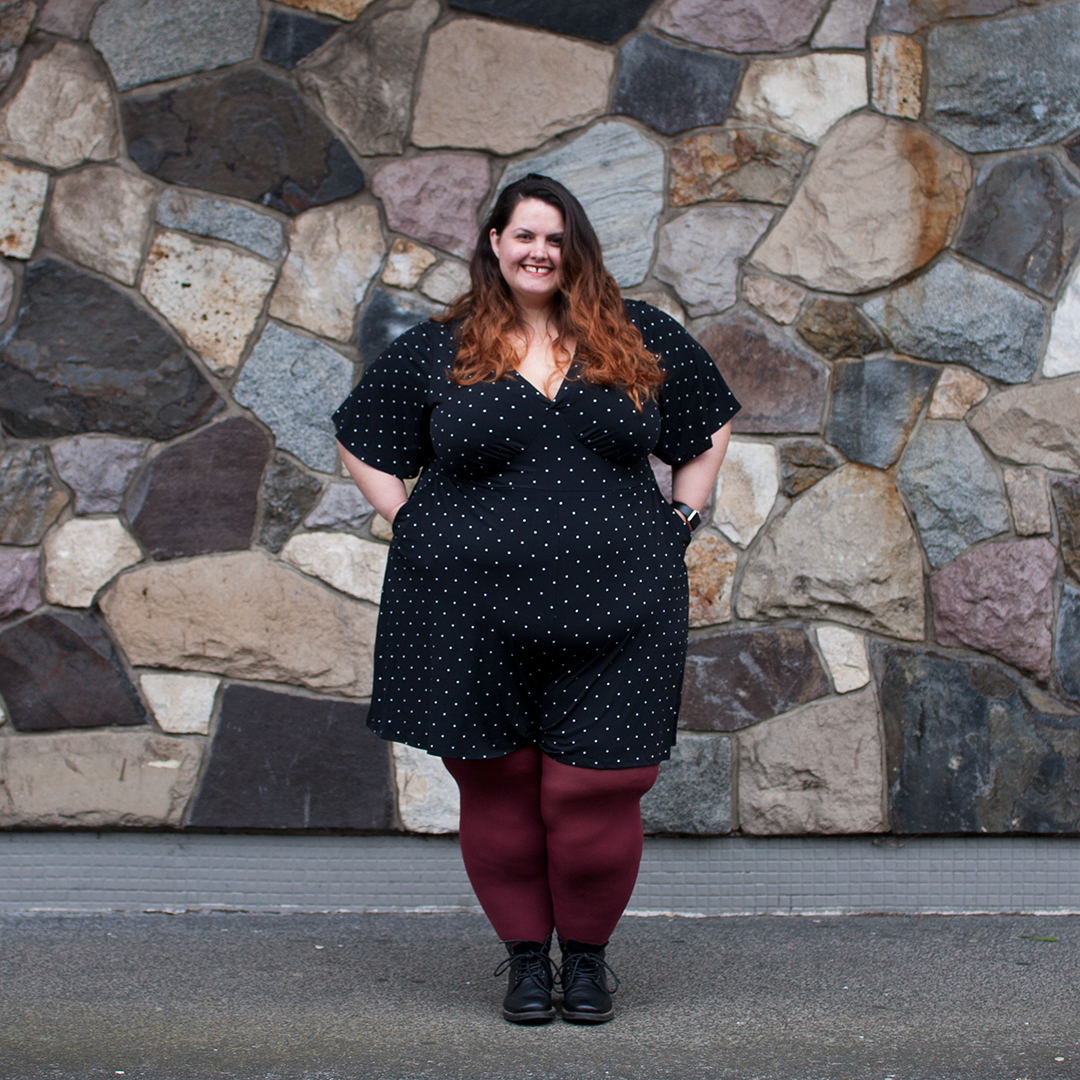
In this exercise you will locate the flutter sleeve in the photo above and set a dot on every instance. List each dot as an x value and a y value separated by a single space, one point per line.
385 421
694 400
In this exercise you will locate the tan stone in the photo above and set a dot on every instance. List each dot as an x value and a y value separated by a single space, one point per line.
22 199
817 769
1030 506
84 554
1033 425
63 113
780 300
957 391
349 564
843 551
845 654
99 217
245 615
446 282
896 74
881 199
212 295
181 703
406 263
427 795
334 252
473 93
803 95
96 779
710 564
340 9
746 489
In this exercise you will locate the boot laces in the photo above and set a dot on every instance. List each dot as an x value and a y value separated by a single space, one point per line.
586 965
531 965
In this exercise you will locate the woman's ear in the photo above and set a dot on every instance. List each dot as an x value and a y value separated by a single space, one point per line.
493 236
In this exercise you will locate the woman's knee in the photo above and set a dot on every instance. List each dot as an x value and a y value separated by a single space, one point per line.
573 783
518 767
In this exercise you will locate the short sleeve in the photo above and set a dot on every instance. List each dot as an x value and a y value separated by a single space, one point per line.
385 420
694 400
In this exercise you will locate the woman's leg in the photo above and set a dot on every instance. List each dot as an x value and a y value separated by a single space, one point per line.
503 841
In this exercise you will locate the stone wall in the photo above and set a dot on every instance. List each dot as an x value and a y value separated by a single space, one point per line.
212 212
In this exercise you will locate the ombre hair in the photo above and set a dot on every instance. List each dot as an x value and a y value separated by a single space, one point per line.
588 308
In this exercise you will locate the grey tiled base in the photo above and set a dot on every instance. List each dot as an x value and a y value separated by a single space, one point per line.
717 876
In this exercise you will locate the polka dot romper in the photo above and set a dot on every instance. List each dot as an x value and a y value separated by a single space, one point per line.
535 590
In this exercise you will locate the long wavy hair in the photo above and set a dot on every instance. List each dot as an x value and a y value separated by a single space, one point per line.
588 308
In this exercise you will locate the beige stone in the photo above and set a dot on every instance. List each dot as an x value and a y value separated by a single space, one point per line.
1033 425
780 300
349 564
84 554
845 654
212 295
957 391
427 795
181 703
661 300
803 95
99 217
245 615
746 489
381 529
22 199
817 769
334 252
406 263
473 92
1026 489
63 113
446 282
96 779
340 9
881 199
710 565
896 74
843 551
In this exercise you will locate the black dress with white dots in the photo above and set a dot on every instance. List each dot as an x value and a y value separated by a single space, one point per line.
535 590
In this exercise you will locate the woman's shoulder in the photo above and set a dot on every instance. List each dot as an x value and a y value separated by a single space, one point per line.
662 334
427 344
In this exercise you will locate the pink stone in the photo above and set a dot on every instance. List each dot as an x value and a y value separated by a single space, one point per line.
18 581
435 198
1000 600
741 25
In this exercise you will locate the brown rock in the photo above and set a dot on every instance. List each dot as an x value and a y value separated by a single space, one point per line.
735 163
710 563
340 9
777 299
243 615
896 71
836 328
880 200
1030 507
472 93
741 25
16 18
780 385
30 500
1066 497
68 17
956 392
405 264
816 770
1000 600
803 463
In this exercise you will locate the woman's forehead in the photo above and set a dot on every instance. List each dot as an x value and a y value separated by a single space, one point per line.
537 216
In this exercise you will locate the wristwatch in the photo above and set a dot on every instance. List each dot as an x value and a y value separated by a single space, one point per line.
693 518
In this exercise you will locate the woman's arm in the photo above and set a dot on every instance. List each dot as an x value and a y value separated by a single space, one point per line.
692 481
383 490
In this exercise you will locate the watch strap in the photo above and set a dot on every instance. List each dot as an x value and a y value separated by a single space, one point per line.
693 518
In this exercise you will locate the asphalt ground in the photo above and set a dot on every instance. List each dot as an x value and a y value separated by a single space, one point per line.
405 997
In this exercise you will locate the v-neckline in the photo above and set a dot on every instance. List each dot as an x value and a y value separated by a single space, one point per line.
558 389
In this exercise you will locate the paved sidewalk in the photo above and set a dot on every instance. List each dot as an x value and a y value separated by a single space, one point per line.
405 997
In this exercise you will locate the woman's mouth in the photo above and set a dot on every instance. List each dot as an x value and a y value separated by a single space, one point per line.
539 271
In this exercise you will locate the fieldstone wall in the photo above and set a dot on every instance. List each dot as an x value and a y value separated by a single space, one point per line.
213 212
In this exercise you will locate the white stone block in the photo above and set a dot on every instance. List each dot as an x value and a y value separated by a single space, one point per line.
22 199
1063 352
84 554
181 703
406 264
746 489
446 282
352 565
427 794
845 654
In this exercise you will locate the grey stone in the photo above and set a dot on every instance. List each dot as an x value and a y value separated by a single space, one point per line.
288 494
385 319
293 384
672 89
222 220
956 314
1067 643
911 16
68 17
342 508
692 793
803 462
281 761
618 176
598 20
953 490
984 92
83 358
874 407
838 328
19 586
844 25
739 677
97 468
973 749
291 36
1026 489
1024 221
1066 497
744 26
145 41
30 499
701 251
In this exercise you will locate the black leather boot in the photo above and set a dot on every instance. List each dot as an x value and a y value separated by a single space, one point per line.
583 977
528 998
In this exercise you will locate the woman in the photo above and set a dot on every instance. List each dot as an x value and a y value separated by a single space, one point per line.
533 624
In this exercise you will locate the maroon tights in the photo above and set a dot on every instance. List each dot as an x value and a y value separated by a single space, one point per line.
550 845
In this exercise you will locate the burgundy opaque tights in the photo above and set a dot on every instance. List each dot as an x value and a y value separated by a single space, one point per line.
550 845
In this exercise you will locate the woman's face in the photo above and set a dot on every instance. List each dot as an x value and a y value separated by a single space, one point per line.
529 251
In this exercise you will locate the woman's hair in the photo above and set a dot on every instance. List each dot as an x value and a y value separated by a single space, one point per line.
588 308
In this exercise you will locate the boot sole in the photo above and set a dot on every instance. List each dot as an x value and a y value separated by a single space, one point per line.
529 1017
588 1018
